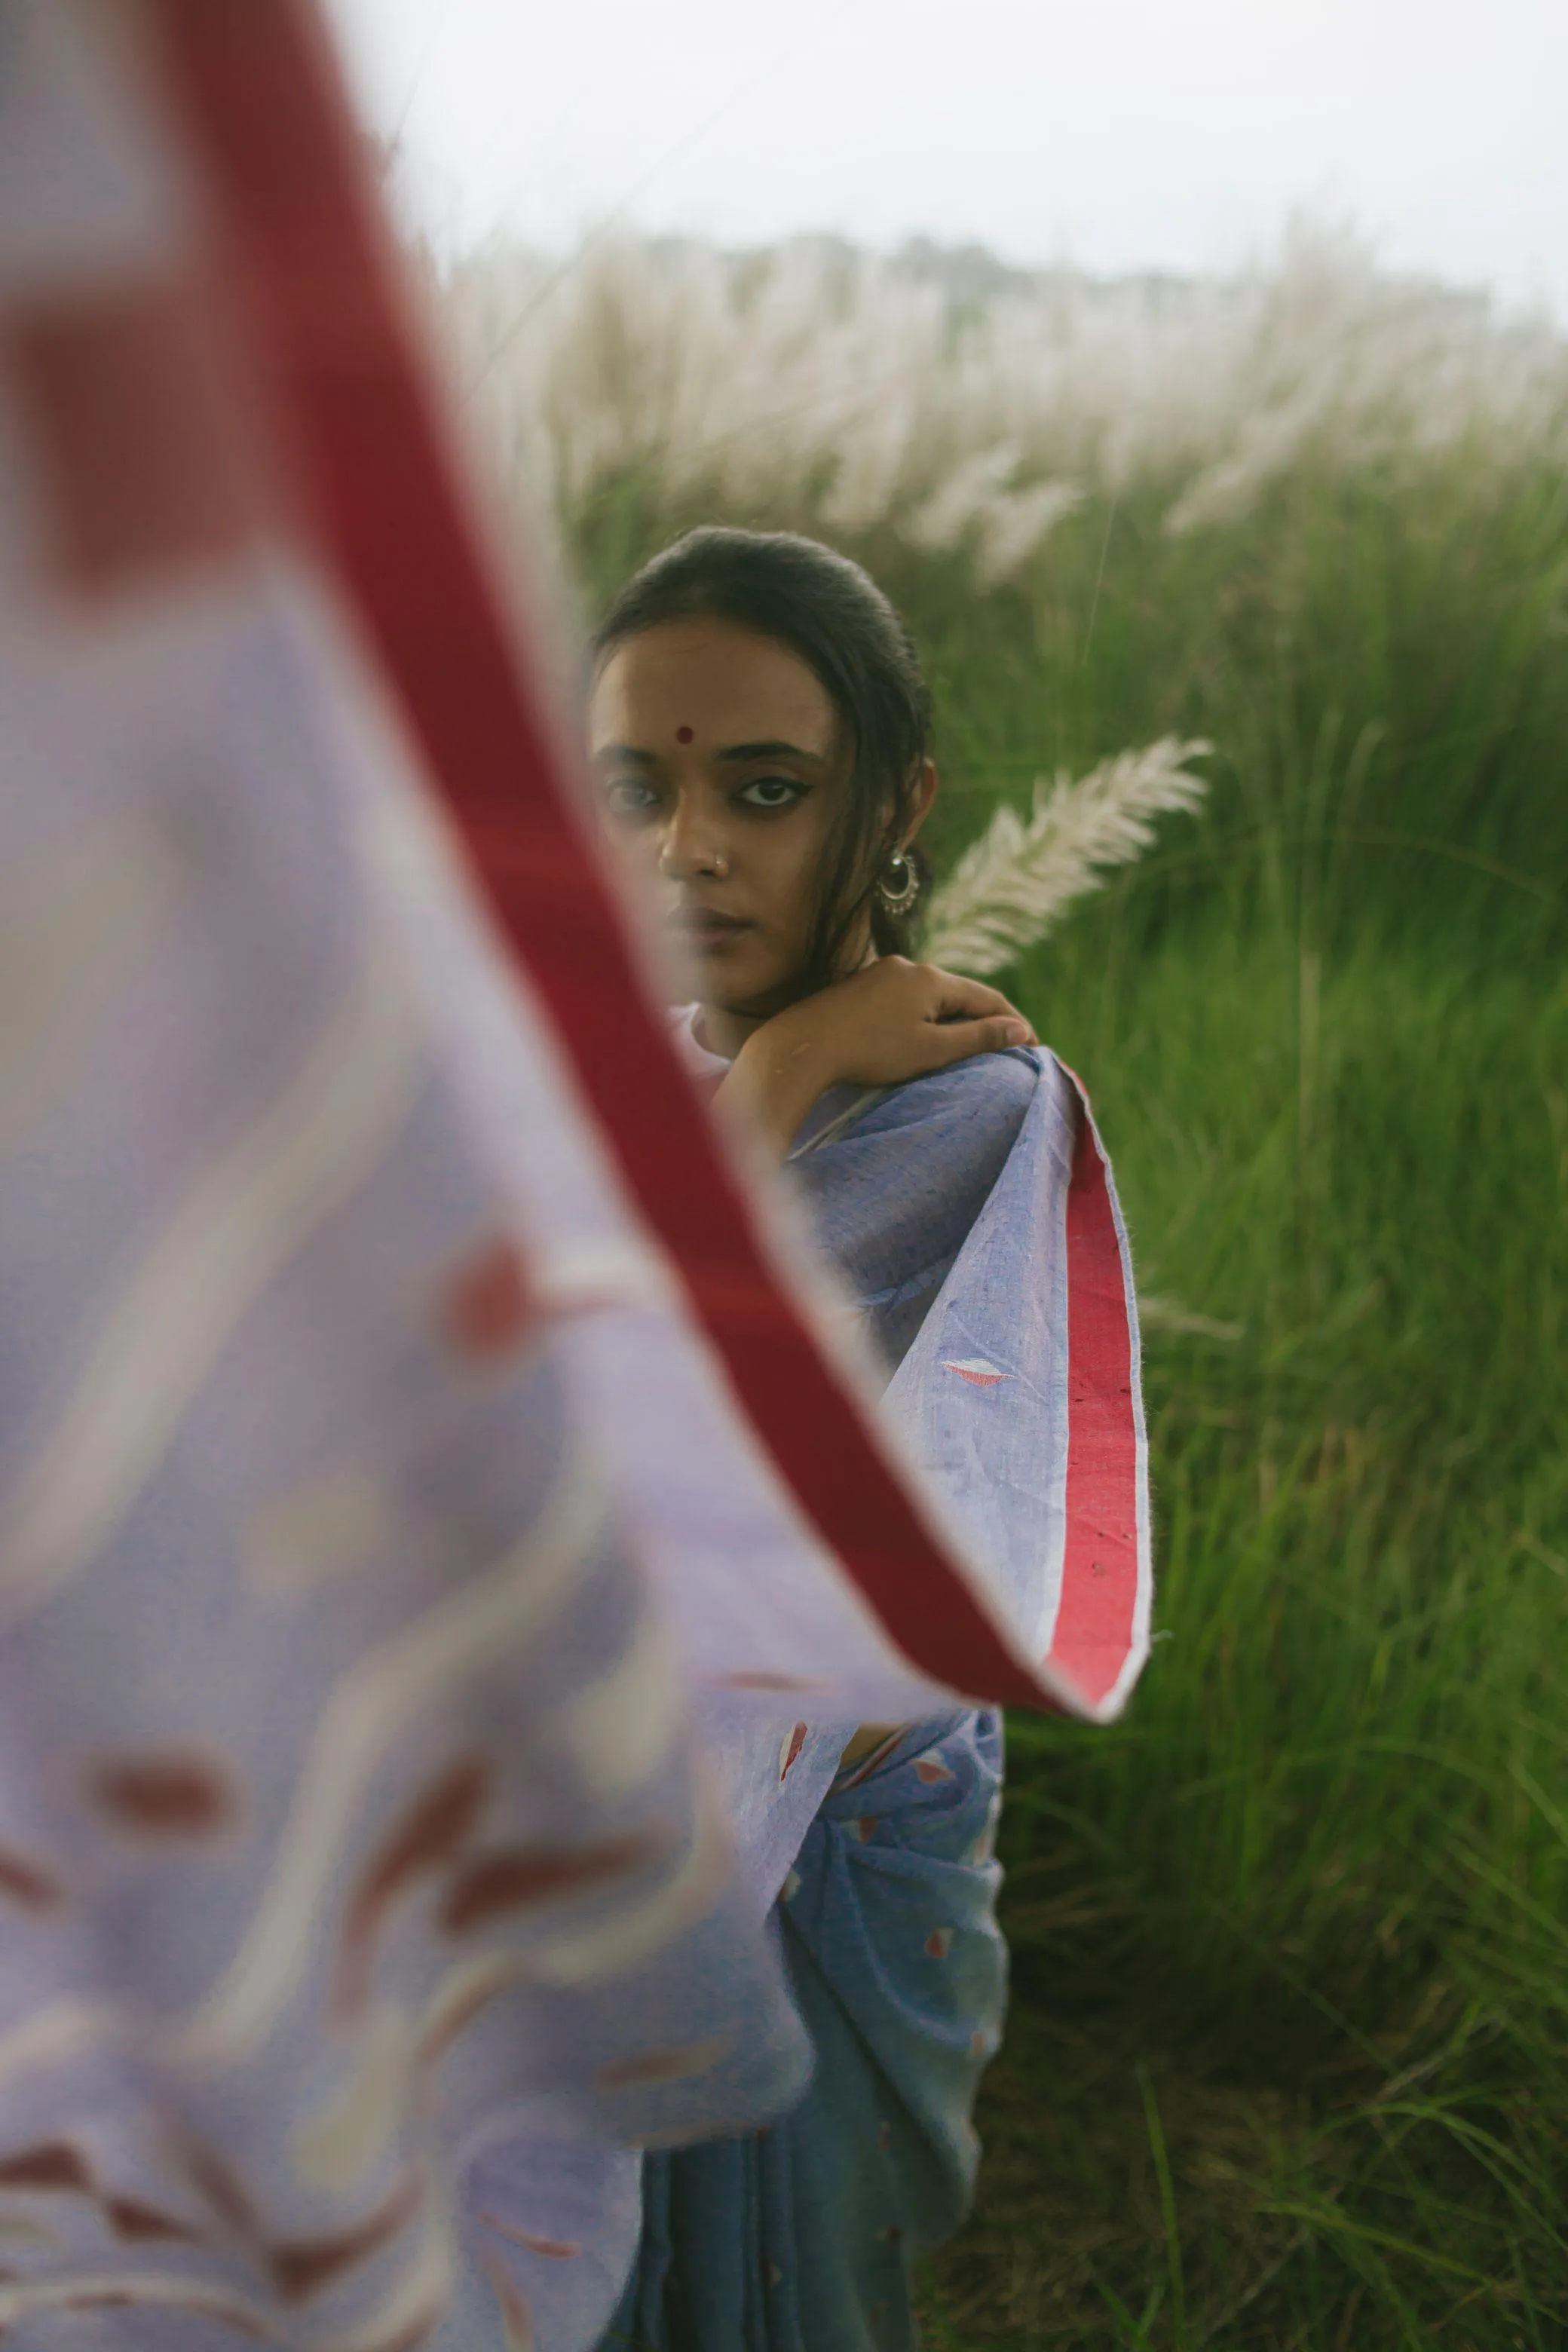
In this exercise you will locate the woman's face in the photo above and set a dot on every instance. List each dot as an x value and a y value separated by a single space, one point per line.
723 773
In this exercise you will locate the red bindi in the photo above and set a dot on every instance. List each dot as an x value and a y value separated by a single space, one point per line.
683 734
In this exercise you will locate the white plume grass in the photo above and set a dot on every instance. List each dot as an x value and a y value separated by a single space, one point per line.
1011 883
970 417
828 389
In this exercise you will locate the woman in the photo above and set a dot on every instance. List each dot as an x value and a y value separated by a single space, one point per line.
761 740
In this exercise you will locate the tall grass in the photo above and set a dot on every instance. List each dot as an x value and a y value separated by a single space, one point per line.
1317 1882
1289 2063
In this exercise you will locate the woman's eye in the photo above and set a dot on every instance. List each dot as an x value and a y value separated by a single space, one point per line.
627 796
771 793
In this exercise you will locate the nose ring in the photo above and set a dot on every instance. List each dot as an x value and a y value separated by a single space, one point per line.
715 862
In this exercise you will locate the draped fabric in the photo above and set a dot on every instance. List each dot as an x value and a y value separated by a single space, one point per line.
800 2237
429 1503
934 1204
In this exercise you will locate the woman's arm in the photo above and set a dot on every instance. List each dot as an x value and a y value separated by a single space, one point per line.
892 1022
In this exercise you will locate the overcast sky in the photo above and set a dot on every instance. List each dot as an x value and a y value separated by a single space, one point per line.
1119 134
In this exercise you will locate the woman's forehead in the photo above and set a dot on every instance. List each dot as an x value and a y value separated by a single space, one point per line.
709 684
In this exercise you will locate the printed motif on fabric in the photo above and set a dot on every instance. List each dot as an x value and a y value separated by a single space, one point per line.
975 1370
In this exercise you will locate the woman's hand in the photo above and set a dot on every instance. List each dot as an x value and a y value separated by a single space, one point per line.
891 1022
896 1020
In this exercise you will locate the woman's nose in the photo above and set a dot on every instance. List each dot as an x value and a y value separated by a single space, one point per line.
691 847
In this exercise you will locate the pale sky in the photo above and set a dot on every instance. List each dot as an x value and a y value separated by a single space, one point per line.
1118 134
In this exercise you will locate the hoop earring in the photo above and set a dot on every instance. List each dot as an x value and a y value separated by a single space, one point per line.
897 885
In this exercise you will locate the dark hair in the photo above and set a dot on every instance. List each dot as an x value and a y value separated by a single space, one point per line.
832 614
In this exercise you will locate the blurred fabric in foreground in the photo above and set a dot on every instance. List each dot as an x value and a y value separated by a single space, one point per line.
407 1423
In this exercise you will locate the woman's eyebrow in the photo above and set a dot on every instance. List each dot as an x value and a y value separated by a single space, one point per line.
771 751
626 754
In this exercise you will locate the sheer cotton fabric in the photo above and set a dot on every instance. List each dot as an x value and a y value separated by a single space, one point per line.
347 1808
801 2237
351 1825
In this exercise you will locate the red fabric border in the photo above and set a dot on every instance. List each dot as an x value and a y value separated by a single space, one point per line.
1098 1614
258 94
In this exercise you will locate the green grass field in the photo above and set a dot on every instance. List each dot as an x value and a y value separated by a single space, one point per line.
1288 2064
1289 2058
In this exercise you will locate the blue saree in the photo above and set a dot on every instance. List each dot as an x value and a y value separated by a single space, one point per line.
802 2238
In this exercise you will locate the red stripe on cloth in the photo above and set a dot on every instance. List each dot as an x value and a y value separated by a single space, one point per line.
1097 1620
259 94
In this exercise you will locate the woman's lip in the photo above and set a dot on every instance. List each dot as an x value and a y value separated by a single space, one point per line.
706 922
